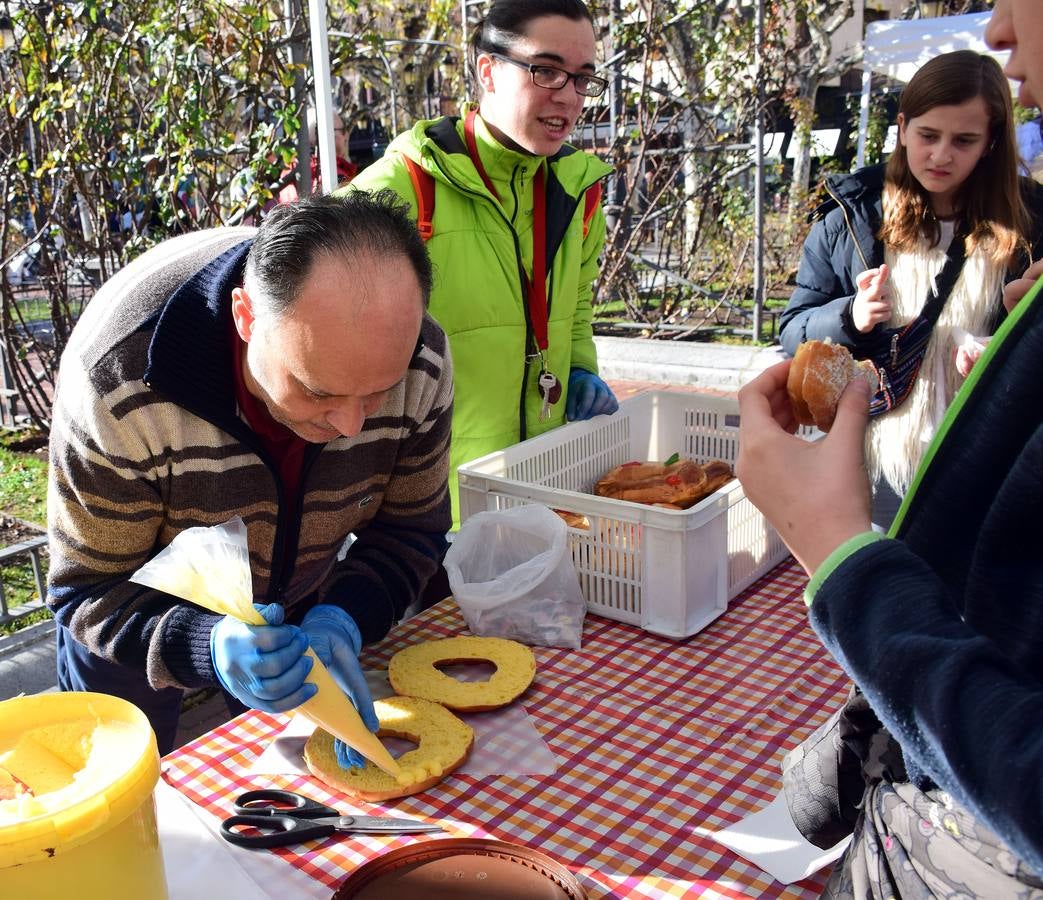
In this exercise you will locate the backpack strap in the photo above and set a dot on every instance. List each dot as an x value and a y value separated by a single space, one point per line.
424 188
590 205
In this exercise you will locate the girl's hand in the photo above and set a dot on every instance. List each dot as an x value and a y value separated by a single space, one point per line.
966 357
968 349
872 303
1018 288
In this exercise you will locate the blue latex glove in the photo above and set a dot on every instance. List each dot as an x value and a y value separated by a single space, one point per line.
336 640
262 665
588 396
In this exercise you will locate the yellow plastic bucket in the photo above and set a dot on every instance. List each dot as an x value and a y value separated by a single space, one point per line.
88 828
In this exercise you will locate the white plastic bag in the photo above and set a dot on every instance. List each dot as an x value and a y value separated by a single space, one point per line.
512 576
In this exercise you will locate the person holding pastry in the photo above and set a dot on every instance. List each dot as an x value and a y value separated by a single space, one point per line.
907 261
940 623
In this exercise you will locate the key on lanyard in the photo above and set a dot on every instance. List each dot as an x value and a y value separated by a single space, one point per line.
550 390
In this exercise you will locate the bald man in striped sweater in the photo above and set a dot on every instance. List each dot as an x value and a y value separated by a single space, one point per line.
291 376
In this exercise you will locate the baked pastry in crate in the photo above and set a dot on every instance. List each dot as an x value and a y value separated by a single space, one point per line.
674 485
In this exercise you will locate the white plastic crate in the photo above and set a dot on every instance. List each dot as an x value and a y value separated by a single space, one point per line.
672 572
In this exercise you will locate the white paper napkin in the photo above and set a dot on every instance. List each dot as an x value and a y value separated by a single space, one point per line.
193 858
770 841
196 858
506 741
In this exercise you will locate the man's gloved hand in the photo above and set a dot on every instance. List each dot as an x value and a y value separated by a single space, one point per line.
263 666
588 396
336 640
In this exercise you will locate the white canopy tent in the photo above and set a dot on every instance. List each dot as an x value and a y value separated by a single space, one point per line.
897 48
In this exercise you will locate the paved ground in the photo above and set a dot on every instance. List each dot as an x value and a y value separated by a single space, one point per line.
27 667
27 659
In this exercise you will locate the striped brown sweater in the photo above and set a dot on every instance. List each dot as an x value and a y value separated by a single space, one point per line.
147 440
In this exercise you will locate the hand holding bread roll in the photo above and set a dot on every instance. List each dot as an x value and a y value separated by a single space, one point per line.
817 377
815 493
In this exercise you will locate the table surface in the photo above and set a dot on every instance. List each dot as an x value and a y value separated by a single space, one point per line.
656 742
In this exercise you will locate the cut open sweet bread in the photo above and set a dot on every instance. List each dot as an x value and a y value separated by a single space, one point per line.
443 744
415 671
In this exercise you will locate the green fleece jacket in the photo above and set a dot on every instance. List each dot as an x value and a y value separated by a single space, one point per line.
480 247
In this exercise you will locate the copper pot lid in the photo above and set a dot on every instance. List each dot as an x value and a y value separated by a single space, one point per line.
461 868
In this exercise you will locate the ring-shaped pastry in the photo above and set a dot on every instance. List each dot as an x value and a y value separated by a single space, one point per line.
443 744
415 672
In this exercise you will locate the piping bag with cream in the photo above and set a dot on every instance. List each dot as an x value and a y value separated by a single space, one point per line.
210 567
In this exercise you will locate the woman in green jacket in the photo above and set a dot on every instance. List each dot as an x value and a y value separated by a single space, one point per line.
487 188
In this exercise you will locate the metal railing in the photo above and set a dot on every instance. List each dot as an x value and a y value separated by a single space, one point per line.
32 547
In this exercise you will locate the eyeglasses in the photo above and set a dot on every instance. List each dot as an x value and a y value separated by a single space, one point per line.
552 78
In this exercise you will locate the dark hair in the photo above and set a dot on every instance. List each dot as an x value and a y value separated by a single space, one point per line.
293 235
990 199
506 21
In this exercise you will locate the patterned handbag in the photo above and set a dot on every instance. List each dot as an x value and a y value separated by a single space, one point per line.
897 353
824 777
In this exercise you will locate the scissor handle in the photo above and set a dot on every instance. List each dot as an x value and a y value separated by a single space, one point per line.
273 830
273 802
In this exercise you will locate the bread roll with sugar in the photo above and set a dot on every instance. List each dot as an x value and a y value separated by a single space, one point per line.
443 744
414 672
818 375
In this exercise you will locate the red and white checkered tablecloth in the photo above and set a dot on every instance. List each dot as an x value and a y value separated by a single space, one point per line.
653 738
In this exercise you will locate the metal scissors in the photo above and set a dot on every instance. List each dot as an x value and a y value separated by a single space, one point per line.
280 818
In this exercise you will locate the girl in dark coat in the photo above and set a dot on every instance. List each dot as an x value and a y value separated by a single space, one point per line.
883 237
941 624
